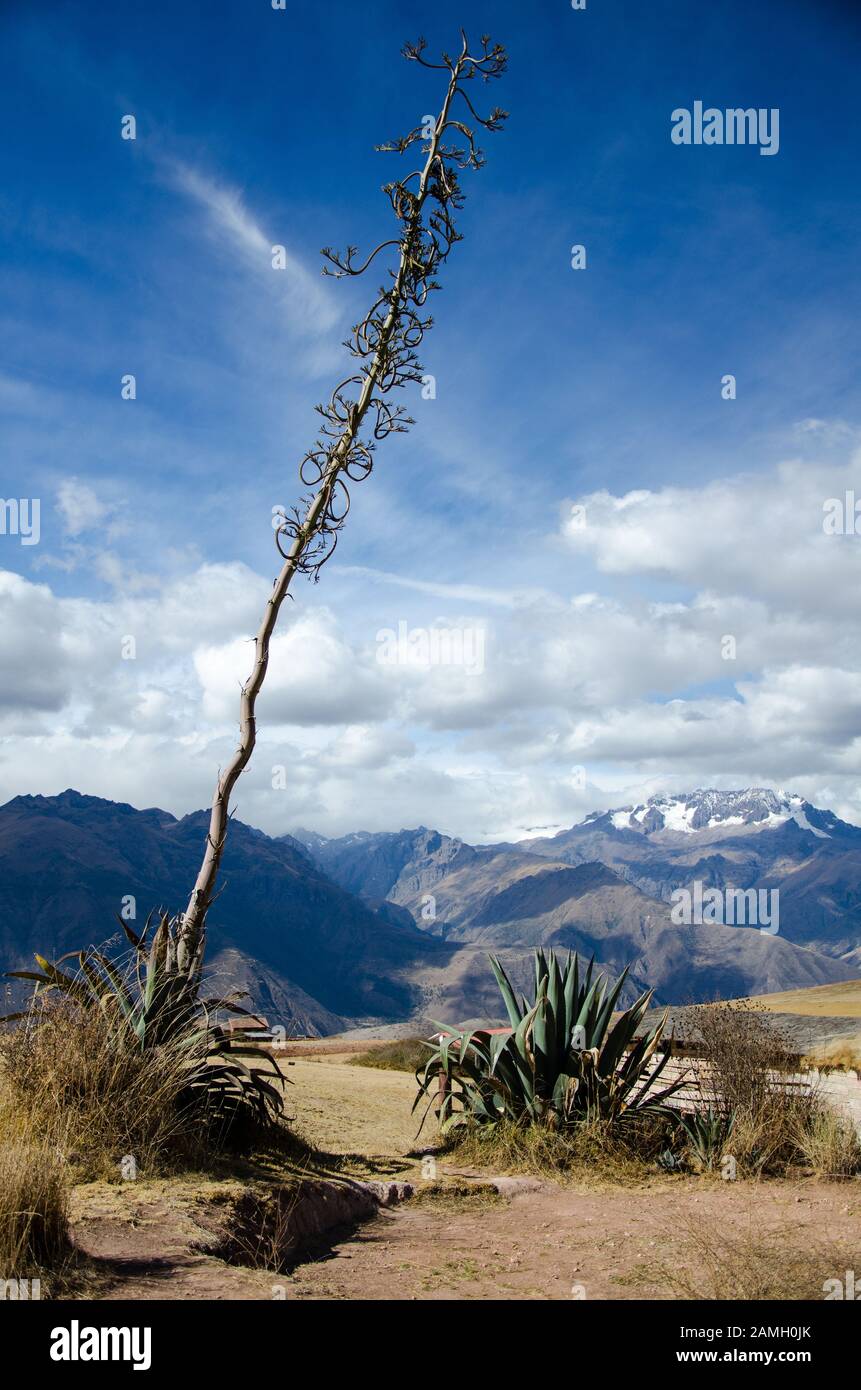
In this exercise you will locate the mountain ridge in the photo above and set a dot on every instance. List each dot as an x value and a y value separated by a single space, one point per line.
751 838
68 862
374 928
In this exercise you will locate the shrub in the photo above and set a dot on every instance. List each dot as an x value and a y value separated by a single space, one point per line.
34 1220
743 1052
562 1064
746 1068
119 1061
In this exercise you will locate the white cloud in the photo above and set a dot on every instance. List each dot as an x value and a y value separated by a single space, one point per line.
81 508
310 306
314 676
470 593
631 687
362 747
758 535
226 208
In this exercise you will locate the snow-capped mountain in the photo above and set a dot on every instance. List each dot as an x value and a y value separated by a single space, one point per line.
596 889
758 808
752 838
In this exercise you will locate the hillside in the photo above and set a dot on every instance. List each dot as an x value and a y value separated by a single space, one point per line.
312 955
822 1001
507 898
379 929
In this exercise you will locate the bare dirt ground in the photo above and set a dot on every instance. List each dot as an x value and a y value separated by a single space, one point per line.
670 1237
560 1244
143 1237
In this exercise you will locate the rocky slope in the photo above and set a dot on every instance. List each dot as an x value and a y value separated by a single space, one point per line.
312 954
373 929
602 887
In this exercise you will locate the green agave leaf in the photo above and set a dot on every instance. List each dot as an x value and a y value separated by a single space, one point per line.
121 989
540 964
622 1033
587 1012
132 935
607 1005
512 1008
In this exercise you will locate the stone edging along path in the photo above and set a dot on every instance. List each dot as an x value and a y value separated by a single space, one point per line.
180 1239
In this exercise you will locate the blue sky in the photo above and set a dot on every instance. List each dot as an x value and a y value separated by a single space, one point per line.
603 678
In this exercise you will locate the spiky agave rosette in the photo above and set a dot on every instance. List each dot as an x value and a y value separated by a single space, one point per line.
561 1064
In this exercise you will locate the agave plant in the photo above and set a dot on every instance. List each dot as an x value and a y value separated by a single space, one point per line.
561 1064
707 1132
157 1003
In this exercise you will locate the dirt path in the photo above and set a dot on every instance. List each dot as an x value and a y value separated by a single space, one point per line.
669 1238
561 1244
547 1243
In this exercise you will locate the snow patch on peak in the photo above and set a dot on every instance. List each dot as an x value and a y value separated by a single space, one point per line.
758 808
801 819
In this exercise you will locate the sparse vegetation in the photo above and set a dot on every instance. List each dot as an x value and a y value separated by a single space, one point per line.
406 1054
746 1068
595 1153
711 1263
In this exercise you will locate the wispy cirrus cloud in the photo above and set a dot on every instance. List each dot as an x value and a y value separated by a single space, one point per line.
312 310
466 593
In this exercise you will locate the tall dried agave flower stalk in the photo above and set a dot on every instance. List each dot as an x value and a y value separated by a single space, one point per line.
384 344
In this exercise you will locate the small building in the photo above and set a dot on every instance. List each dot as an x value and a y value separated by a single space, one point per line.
249 1028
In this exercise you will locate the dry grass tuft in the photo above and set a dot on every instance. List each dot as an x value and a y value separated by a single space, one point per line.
34 1215
753 1264
841 1055
38 1258
828 1144
88 1093
616 1155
